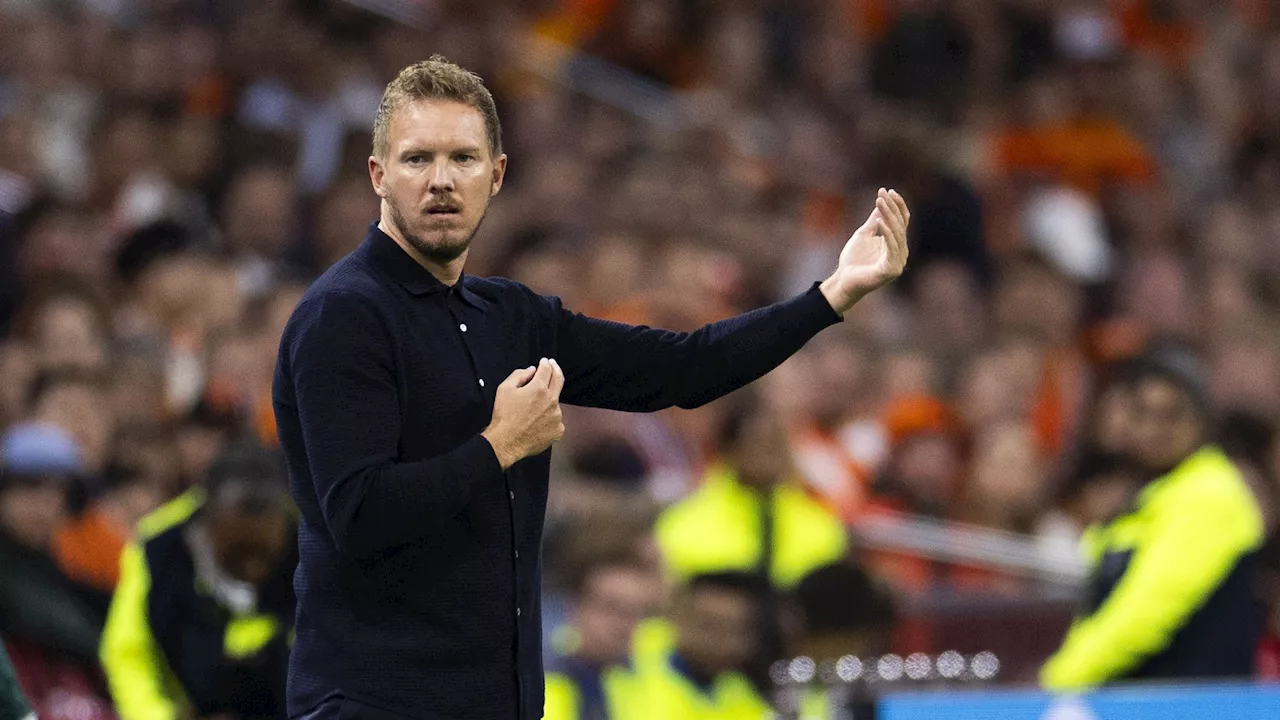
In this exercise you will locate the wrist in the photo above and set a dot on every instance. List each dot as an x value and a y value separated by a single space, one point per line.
840 299
506 456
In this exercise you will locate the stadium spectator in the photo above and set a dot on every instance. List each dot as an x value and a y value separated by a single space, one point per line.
1172 593
717 619
589 679
749 516
201 617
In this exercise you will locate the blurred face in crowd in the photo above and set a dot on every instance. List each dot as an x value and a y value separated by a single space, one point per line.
344 219
1167 426
762 454
67 335
437 177
717 629
614 599
81 409
925 467
949 311
1007 482
1113 425
18 368
31 509
259 215
249 542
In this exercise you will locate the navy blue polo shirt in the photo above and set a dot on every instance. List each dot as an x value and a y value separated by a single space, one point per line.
419 573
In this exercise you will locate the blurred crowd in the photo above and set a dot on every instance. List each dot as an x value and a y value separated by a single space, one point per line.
1086 178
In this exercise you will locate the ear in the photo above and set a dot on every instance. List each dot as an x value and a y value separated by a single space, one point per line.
499 171
376 173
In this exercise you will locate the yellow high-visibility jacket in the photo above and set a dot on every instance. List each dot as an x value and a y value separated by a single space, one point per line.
1172 591
717 528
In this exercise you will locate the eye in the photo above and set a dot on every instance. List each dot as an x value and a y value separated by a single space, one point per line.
465 158
415 159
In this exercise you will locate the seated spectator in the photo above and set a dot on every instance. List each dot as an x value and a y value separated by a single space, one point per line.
717 618
748 516
201 618
1173 588
842 612
50 623
38 603
588 680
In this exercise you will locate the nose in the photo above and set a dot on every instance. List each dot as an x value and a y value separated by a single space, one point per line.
441 180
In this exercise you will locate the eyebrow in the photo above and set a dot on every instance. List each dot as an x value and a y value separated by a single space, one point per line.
470 150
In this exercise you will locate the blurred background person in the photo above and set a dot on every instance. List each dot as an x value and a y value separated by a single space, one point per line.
589 679
717 620
50 622
750 515
1173 590
200 622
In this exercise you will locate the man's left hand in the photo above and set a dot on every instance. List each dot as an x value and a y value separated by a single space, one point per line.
874 255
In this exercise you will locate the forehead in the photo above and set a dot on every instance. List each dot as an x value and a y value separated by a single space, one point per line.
436 124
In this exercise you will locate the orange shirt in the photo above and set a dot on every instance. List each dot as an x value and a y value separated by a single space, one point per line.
1086 154
88 550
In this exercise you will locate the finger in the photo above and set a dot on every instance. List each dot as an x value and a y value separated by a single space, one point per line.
892 209
902 204
519 377
890 217
870 225
557 378
542 378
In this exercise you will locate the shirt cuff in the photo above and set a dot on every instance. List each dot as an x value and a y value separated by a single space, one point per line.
479 454
818 307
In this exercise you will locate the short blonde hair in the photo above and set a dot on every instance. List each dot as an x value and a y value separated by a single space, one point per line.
435 79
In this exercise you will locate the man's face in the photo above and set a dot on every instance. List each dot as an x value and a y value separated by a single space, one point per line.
1166 427
437 177
249 546
613 602
717 629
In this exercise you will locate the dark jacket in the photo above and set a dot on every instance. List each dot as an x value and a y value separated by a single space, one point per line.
171 649
419 579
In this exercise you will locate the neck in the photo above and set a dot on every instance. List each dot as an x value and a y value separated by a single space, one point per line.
446 272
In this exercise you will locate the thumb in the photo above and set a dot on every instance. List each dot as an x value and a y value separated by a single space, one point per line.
518 377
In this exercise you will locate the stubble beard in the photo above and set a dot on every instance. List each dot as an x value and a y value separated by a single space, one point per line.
441 252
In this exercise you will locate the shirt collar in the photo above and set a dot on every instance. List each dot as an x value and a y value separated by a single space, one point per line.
390 258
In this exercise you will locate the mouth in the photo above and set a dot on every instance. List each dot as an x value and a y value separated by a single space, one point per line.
444 211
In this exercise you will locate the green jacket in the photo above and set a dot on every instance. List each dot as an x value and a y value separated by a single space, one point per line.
13 706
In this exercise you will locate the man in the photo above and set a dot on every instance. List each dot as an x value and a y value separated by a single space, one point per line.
842 612
589 679
200 621
717 618
746 516
416 406
1172 594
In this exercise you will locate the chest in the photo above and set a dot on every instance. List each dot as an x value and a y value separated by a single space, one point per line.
450 358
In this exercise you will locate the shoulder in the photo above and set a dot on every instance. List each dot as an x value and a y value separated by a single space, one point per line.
509 292
342 301
168 516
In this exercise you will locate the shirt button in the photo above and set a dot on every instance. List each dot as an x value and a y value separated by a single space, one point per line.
517 612
517 554
463 327
512 494
481 382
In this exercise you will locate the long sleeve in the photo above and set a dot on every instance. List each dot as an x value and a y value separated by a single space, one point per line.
1199 535
134 666
640 369
342 367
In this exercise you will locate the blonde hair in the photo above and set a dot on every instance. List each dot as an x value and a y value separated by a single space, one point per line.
435 79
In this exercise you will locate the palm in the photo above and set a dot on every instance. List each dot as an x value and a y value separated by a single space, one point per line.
875 254
865 257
